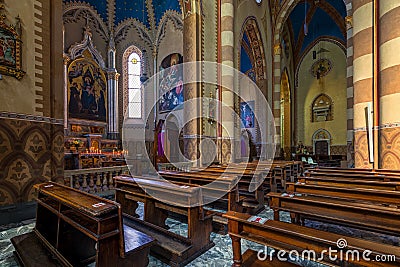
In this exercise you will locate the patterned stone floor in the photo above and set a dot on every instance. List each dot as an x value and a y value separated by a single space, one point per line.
218 256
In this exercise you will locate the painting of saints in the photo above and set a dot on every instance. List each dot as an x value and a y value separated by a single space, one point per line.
171 83
87 91
247 114
7 48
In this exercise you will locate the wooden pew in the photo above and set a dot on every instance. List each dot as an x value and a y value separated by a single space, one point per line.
351 183
171 248
77 229
355 175
288 237
383 197
232 180
368 216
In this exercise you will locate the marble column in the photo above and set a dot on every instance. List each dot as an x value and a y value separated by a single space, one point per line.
362 77
350 87
389 80
191 53
227 140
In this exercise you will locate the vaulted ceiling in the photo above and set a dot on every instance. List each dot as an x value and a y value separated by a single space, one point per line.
137 9
324 18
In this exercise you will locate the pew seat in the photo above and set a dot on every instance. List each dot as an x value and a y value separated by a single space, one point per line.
288 237
74 228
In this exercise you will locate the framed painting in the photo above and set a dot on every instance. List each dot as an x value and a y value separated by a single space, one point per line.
10 50
171 83
87 90
247 114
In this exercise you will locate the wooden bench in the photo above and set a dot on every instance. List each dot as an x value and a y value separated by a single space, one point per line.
351 183
250 202
384 197
373 217
288 237
77 229
160 198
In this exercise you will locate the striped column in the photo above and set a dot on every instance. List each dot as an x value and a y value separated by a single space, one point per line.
362 76
227 80
276 105
389 69
191 53
350 88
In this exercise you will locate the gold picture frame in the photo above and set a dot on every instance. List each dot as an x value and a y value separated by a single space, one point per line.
10 49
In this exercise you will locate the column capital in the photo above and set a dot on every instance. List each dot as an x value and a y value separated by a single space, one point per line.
113 75
349 22
191 7
277 49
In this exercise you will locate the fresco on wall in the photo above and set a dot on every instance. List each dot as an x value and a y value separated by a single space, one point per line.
171 83
247 114
87 91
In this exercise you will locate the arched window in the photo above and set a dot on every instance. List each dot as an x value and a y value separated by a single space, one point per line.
133 96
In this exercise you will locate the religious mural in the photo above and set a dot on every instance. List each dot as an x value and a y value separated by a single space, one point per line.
171 83
87 91
247 114
10 49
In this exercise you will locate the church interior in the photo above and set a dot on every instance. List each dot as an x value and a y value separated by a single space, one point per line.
199 133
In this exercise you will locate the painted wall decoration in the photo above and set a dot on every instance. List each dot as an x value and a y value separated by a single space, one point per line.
247 114
10 49
321 68
171 83
87 90
31 152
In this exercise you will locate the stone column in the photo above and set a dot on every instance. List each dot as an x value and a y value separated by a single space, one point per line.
389 80
226 142
362 76
112 94
191 53
350 88
276 104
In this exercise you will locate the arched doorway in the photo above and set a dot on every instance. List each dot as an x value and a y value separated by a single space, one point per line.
286 140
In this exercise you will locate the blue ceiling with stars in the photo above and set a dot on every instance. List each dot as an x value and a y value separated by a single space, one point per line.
321 24
137 9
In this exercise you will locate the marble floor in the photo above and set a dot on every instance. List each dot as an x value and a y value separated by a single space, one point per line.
218 256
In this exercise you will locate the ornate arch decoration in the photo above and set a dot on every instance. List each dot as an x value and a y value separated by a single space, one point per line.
73 11
125 79
77 50
122 29
329 39
169 15
86 81
322 135
250 27
322 108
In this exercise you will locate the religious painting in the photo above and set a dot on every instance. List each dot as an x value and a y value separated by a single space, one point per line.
247 114
87 91
10 51
171 83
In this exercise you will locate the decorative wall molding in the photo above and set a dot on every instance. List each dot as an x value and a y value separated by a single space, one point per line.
33 118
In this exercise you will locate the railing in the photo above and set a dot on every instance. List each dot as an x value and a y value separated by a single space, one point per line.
94 180
176 166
